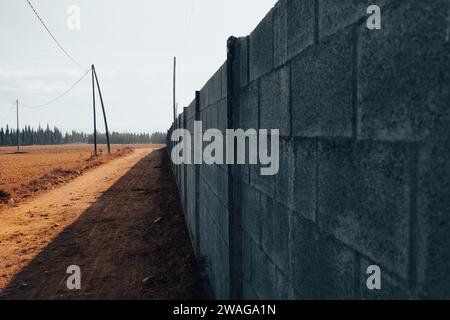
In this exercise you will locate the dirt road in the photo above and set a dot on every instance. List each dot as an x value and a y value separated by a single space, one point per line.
121 223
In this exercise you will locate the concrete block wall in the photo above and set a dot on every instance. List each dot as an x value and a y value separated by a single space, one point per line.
364 178
204 188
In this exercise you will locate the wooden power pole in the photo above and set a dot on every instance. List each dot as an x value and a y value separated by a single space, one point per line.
95 120
17 129
103 109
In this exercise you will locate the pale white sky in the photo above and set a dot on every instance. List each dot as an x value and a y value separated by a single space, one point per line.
131 43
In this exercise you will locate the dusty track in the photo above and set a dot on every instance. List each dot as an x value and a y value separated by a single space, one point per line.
121 223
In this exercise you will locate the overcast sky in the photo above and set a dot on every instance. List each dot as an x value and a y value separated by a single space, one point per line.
131 43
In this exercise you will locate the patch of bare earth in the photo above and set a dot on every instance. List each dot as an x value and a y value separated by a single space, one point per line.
42 168
121 222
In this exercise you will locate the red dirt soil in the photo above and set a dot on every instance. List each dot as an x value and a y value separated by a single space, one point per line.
41 168
121 222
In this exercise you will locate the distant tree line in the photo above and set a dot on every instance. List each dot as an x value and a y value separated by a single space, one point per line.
30 136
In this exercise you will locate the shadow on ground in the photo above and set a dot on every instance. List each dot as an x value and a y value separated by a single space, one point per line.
132 243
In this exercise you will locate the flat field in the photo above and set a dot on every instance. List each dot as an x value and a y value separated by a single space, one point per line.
41 168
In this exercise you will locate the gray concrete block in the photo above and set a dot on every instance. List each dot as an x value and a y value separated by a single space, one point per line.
391 287
266 213
223 269
263 274
304 178
245 174
402 85
364 199
280 243
280 14
322 267
244 72
249 293
282 286
251 216
246 259
217 85
261 48
222 116
213 119
335 15
249 107
224 80
433 252
225 225
265 184
284 180
221 177
204 97
322 89
300 25
275 101
203 119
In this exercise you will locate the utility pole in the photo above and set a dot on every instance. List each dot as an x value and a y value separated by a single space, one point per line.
17 130
174 89
95 120
103 109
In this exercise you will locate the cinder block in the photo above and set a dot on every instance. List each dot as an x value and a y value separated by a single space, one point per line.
304 178
335 15
402 85
222 116
263 274
221 177
300 25
217 85
249 107
433 252
216 215
322 267
282 286
261 48
266 213
391 287
223 267
280 14
215 115
244 72
225 225
284 180
204 97
203 119
364 198
188 112
265 184
203 226
274 101
246 260
251 216
245 174
204 191
249 292
280 243
210 92
224 80
322 89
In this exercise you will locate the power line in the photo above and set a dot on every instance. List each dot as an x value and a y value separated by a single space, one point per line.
53 37
58 97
